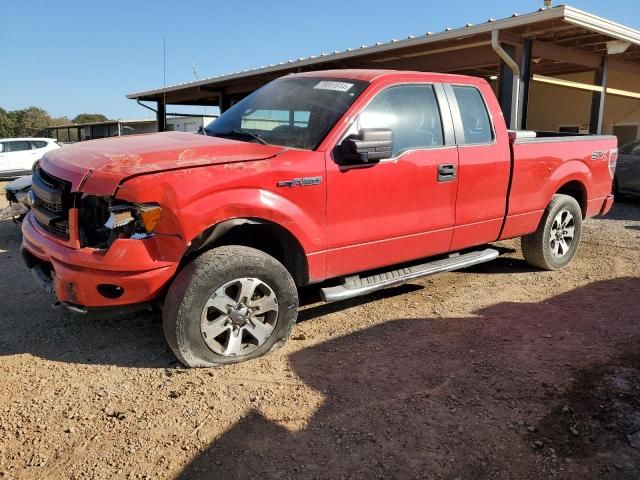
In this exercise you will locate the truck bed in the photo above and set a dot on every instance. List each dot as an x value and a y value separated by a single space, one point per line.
576 163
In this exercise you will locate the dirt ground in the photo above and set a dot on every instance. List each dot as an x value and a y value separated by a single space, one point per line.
495 372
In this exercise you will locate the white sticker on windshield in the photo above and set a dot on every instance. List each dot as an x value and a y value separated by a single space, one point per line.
337 86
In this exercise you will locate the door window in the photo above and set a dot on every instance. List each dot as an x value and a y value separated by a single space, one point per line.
475 117
18 146
410 112
39 144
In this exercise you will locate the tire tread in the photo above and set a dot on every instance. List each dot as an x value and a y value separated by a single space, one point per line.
534 245
185 286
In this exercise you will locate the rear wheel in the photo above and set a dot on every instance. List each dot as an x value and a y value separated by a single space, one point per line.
229 305
554 244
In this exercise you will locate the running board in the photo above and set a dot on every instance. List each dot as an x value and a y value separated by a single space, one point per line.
355 285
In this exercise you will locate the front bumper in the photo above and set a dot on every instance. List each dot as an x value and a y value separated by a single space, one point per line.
134 266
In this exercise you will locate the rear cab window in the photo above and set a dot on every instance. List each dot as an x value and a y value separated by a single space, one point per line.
476 122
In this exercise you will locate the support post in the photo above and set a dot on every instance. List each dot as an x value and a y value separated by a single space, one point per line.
506 90
598 99
525 79
224 103
161 117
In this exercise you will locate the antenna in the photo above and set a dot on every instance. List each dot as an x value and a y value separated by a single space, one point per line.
195 73
548 3
164 79
197 77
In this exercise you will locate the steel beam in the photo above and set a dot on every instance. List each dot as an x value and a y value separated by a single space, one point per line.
161 117
525 79
598 99
506 90
224 103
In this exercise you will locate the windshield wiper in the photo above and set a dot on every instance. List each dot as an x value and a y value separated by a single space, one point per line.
242 131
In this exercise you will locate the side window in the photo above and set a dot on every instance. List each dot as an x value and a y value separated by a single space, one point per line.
412 114
18 146
475 118
38 144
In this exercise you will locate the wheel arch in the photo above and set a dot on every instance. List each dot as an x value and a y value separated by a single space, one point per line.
577 190
261 234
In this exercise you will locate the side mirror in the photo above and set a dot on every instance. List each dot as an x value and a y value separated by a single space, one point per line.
370 146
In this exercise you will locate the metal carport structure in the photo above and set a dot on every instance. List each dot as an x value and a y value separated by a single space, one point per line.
538 46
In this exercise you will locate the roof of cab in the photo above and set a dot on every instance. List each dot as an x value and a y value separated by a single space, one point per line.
372 75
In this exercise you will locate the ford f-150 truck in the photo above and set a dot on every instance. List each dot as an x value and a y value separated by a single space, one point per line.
352 179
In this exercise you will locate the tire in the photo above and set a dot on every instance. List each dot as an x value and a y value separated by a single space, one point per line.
207 318
542 250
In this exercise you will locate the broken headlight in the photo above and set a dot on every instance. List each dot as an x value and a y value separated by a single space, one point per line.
103 220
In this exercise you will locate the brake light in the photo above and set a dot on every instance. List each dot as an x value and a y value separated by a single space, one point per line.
613 161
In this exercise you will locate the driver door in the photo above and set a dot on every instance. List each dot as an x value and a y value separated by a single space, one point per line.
402 208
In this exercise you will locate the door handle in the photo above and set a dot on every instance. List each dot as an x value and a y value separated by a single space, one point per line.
446 172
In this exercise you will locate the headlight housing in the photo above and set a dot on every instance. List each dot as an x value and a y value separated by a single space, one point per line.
103 220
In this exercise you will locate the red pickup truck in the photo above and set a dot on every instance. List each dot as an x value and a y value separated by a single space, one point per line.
345 177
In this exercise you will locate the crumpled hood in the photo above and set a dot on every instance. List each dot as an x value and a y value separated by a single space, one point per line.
99 166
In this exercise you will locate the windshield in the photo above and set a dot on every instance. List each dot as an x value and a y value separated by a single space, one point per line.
291 112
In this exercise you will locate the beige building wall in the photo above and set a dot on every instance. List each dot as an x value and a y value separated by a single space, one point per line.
552 106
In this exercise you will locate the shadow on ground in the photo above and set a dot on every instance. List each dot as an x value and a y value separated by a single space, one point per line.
624 208
553 387
31 326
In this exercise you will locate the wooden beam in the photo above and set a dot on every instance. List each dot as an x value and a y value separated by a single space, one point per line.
580 57
566 54
446 62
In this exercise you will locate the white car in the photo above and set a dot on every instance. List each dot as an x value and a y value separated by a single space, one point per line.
19 155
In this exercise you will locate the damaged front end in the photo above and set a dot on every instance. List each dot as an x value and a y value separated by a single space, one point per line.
96 251
102 220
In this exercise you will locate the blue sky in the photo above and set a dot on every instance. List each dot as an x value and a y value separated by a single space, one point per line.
71 56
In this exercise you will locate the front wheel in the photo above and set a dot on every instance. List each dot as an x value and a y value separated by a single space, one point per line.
554 244
229 305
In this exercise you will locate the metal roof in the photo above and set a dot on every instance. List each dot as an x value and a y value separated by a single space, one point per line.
559 18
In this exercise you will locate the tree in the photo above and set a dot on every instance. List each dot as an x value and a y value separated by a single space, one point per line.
7 124
34 121
89 118
31 122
